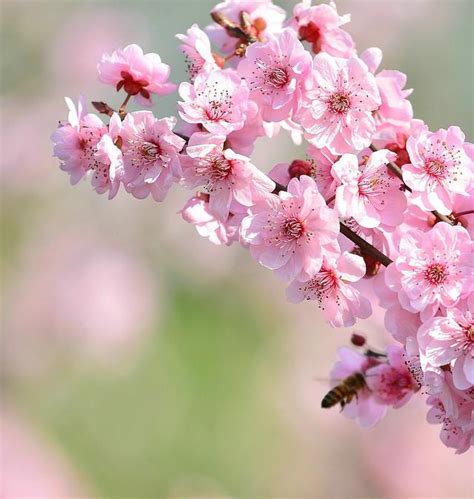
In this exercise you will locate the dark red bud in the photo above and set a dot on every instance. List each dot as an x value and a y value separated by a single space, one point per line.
358 340
299 167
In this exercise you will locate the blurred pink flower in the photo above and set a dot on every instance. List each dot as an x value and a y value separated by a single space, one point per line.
77 295
31 467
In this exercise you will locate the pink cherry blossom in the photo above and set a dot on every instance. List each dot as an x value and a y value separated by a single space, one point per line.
197 49
75 142
292 232
433 269
137 73
277 72
452 434
369 192
441 166
196 211
453 409
331 287
450 341
392 383
266 19
226 176
340 106
217 100
320 26
364 408
150 151
395 110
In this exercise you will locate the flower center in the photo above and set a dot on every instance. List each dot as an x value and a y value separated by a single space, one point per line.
435 168
470 332
436 273
339 103
277 77
150 150
214 167
293 228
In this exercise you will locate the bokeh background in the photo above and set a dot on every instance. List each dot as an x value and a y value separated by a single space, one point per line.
138 360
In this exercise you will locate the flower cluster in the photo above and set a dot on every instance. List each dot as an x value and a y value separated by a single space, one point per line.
379 214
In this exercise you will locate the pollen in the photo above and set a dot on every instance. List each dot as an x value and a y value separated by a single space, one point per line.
435 273
339 103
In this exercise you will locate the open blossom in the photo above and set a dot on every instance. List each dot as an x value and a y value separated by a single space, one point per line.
433 269
150 151
137 73
320 26
292 232
109 171
453 434
197 49
450 341
340 106
265 19
226 176
369 192
392 383
196 211
441 165
453 408
395 109
331 287
277 72
75 142
217 100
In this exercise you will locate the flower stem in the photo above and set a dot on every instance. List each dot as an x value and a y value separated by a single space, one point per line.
122 111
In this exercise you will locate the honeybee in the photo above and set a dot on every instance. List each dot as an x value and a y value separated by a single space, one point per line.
345 391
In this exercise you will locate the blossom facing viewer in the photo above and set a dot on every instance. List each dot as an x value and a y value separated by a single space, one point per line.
228 177
369 192
440 167
340 302
449 341
292 232
218 101
433 269
137 73
277 73
338 114
150 153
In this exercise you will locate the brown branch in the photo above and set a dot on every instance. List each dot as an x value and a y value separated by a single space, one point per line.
366 248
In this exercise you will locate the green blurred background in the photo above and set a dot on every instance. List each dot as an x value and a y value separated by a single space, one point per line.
138 360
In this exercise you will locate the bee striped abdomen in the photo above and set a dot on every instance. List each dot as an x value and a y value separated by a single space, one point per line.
344 392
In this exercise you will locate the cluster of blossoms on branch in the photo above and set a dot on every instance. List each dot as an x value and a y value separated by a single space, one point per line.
378 214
